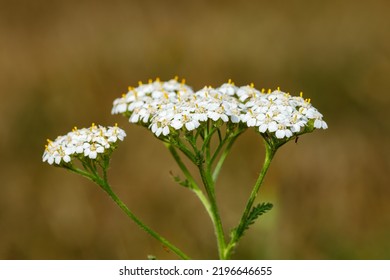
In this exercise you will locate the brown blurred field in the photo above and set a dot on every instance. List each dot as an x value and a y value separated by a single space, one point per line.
62 63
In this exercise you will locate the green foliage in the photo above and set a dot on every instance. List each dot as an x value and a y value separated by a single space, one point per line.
256 212
185 183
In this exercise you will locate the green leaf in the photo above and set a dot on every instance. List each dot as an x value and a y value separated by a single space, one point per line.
185 183
256 212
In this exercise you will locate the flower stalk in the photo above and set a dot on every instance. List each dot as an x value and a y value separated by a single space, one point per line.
238 232
105 186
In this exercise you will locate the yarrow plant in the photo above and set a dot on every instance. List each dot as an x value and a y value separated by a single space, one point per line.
188 122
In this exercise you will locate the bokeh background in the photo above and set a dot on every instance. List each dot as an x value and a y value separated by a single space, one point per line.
62 63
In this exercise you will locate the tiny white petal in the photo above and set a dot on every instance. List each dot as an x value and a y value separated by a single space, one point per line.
134 118
165 131
57 160
214 116
154 127
224 118
176 124
318 123
263 128
234 119
190 126
251 122
272 126
280 134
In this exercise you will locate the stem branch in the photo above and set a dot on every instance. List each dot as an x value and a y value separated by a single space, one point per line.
270 152
102 182
210 190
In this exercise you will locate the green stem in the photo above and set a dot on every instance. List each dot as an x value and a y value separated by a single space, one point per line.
184 150
229 138
208 202
219 135
181 164
218 149
208 133
209 186
206 143
106 187
81 172
116 199
222 158
270 153
194 186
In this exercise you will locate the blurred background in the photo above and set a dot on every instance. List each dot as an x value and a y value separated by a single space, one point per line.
62 63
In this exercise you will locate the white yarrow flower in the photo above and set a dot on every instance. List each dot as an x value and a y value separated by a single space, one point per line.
172 106
319 123
85 142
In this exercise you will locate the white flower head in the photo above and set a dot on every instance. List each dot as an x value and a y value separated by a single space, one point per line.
82 143
143 102
281 115
171 106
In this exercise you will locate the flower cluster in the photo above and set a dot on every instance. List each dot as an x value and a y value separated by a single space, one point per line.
169 107
85 142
